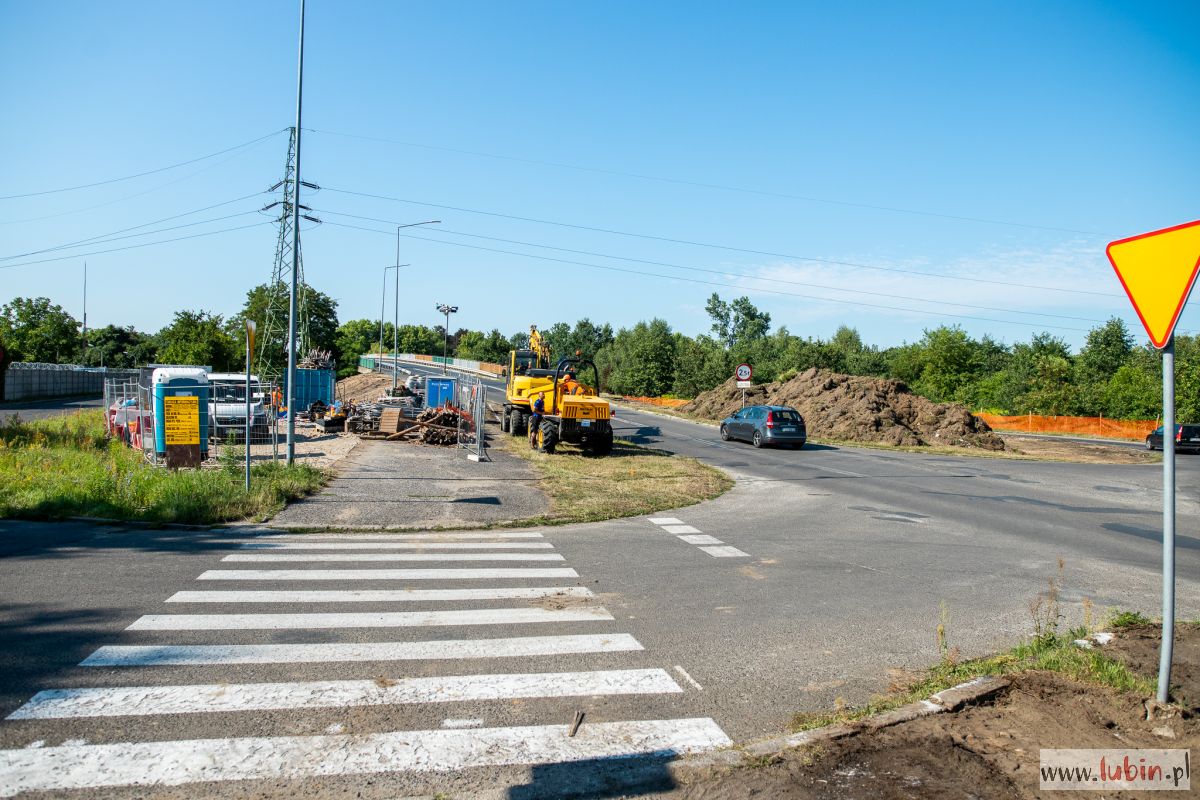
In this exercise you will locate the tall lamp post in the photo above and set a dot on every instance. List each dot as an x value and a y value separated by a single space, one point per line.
446 309
383 298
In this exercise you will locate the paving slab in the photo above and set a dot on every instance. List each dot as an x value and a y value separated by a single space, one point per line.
407 485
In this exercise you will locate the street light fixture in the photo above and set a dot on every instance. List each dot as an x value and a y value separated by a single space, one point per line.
446 309
383 298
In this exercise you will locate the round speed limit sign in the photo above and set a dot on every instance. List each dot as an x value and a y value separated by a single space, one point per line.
743 372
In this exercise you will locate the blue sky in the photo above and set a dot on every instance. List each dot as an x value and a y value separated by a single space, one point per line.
1003 142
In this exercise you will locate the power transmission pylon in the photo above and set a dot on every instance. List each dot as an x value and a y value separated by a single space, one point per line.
270 361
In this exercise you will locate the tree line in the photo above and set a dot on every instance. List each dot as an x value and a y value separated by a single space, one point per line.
1112 374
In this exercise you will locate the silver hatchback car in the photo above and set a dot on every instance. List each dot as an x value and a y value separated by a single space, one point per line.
766 425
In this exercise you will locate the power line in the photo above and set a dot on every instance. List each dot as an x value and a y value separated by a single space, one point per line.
147 172
135 246
705 185
705 282
709 245
725 272
100 238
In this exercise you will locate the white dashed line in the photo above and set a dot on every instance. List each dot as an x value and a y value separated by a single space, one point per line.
683 673
702 538
677 529
724 552
665 521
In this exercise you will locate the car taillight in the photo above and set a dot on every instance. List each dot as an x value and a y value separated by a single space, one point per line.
770 419
1179 435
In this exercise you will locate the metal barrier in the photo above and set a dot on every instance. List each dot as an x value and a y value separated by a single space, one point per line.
472 435
129 419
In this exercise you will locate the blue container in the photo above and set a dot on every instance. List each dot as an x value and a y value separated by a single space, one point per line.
174 388
313 385
439 392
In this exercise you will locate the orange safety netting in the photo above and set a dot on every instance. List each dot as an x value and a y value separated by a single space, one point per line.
1089 426
665 402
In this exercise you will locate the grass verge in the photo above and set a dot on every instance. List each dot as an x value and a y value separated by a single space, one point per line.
629 482
1049 653
66 466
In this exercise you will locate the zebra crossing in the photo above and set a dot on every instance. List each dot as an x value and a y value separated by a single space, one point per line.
320 644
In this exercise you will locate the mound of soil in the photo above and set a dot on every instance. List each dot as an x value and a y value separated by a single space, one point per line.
857 409
365 387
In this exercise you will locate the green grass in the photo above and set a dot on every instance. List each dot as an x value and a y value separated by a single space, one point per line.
630 481
66 466
1127 619
1052 654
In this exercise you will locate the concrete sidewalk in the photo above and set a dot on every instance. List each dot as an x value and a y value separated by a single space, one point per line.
401 484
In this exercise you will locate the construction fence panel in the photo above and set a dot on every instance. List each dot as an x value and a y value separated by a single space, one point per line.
472 403
1080 426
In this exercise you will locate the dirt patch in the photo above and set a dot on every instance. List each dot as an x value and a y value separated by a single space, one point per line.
857 409
1137 648
990 750
1078 452
366 387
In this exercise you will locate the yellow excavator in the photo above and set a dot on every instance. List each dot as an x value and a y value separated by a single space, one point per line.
574 411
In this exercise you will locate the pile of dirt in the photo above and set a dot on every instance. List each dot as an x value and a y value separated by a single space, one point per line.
363 388
856 409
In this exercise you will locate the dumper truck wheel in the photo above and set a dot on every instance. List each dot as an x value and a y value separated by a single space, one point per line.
505 422
516 422
603 444
549 436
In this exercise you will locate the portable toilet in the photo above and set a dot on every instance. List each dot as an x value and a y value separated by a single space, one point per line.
180 399
439 392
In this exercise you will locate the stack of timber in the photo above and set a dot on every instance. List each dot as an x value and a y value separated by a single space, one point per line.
435 426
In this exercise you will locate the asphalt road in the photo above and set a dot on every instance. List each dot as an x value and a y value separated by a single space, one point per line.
820 571
41 409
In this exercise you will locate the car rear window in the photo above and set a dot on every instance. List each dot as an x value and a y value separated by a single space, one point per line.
1190 431
787 416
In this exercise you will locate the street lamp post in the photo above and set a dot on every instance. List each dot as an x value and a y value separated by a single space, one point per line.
383 299
446 309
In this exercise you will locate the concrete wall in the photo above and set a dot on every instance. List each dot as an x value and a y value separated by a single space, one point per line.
31 381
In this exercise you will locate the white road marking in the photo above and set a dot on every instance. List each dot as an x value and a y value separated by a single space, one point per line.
175 763
724 551
390 619
212 698
701 539
399 537
382 574
377 595
677 529
396 545
689 678
515 647
665 521
327 557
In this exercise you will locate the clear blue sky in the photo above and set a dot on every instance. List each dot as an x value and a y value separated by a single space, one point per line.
1053 127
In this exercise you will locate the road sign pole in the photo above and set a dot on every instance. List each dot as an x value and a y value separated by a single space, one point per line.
1168 554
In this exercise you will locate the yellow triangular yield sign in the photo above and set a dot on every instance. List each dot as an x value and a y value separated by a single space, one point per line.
1157 270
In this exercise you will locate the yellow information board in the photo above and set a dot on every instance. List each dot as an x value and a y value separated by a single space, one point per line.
181 420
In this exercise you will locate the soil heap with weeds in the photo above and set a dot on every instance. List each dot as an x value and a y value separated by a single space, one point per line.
366 387
857 409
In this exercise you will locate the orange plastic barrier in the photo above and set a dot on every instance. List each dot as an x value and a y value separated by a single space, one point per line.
1088 426
665 402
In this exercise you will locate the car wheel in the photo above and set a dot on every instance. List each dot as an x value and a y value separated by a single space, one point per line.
724 434
1149 445
757 440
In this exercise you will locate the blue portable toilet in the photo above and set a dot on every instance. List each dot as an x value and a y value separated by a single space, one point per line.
179 393
439 392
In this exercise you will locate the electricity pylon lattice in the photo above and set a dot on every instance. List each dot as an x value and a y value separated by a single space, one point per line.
271 358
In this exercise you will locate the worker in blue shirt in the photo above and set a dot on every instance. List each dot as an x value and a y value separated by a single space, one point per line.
535 419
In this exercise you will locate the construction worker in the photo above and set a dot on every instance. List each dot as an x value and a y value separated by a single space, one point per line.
538 409
570 384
